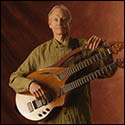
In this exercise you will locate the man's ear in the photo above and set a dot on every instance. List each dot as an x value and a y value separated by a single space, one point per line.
49 23
50 26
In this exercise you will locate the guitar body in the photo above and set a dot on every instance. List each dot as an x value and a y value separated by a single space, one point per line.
51 84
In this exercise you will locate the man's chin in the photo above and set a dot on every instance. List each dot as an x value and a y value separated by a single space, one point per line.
61 33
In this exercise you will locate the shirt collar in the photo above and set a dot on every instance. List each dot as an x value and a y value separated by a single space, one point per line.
62 44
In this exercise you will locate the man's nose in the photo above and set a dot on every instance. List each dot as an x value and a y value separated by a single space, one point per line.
60 22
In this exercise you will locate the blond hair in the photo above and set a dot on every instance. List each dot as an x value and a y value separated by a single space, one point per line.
64 8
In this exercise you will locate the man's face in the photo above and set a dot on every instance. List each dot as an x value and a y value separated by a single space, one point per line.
59 22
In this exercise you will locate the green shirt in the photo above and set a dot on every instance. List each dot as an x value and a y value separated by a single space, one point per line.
78 110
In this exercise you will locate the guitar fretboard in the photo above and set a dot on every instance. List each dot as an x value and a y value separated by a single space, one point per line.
87 78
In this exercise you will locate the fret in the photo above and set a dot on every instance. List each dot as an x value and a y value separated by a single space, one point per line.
70 87
82 65
98 71
67 73
92 75
97 57
84 79
85 63
73 85
78 82
93 58
110 68
90 60
96 75
106 69
102 71
101 55
71 71
77 68
89 76
109 51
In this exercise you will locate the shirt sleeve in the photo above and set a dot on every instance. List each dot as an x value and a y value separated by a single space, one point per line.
18 80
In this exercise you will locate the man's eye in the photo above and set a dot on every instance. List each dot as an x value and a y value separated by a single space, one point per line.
55 19
64 20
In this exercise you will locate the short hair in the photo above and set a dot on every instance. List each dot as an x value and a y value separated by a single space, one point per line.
64 8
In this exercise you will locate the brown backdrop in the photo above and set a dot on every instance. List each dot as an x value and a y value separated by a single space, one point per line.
24 26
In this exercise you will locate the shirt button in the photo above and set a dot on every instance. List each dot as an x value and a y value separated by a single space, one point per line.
65 111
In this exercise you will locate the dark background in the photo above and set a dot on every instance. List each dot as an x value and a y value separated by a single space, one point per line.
24 26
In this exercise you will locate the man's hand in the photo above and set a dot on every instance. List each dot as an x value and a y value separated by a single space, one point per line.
36 90
93 42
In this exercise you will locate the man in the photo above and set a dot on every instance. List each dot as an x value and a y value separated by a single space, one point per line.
78 110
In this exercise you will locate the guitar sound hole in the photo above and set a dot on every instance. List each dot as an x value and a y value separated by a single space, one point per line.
44 112
40 115
47 109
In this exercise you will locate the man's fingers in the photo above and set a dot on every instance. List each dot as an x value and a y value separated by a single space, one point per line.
42 94
93 42
35 94
38 93
90 39
36 90
98 42
90 42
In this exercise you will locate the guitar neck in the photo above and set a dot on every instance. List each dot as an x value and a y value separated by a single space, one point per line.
87 78
85 63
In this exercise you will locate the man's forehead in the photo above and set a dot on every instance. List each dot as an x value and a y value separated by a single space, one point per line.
58 12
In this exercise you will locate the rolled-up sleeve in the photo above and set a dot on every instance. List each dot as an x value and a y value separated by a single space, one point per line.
18 80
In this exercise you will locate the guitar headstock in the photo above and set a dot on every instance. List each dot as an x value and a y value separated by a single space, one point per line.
120 62
117 47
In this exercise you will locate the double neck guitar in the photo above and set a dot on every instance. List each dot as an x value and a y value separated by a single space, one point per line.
53 82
